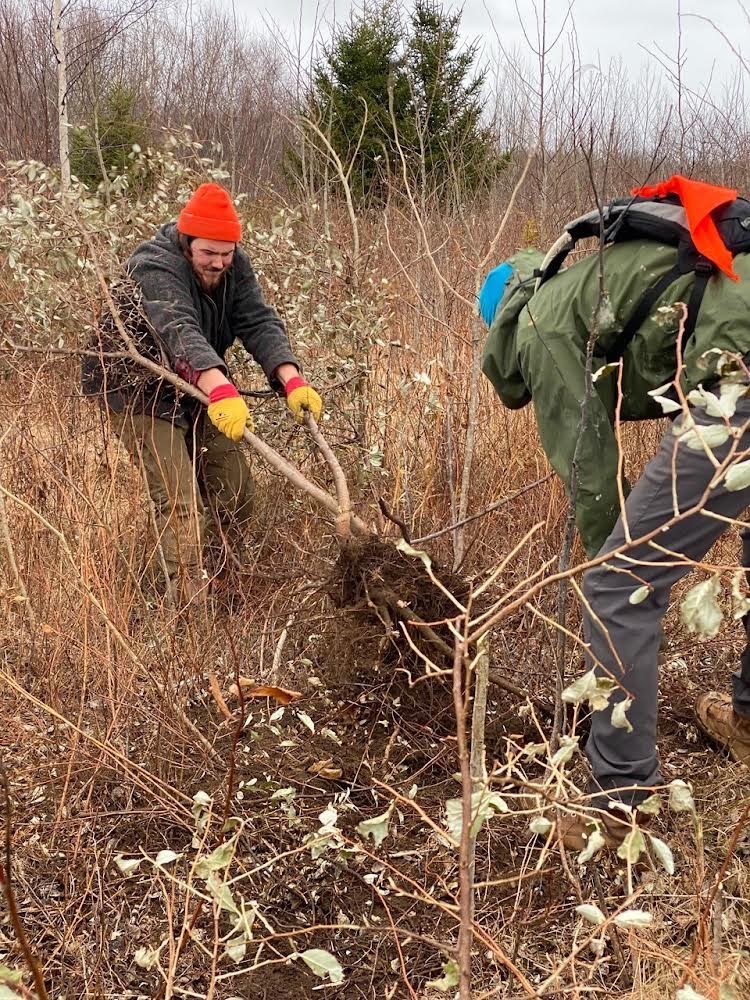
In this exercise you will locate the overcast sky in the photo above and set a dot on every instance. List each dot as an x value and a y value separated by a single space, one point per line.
605 28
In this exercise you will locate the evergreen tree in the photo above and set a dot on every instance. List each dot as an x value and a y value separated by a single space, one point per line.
116 128
437 104
350 99
456 152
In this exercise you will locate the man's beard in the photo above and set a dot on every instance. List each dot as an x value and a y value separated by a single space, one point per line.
210 279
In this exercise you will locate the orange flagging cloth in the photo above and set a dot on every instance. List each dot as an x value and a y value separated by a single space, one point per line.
699 200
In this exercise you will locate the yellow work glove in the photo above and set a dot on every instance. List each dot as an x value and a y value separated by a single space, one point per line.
228 411
300 397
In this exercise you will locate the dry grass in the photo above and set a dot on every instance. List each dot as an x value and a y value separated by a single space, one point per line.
102 762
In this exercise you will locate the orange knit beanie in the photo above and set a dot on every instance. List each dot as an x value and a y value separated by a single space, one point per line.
210 214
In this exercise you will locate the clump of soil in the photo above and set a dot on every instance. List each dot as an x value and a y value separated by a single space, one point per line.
371 564
382 583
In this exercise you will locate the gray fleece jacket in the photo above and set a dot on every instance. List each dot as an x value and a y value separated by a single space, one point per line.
171 318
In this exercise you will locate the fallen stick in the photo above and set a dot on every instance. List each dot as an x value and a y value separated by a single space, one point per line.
8 891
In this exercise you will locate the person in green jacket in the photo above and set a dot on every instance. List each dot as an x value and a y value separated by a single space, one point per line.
536 350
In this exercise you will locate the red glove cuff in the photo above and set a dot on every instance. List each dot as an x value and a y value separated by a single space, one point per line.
294 383
219 392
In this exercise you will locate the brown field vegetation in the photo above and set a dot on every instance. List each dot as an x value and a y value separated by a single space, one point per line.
129 729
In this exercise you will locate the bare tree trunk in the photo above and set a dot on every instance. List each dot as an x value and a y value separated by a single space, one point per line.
570 526
465 891
14 573
459 548
58 40
480 676
97 140
459 540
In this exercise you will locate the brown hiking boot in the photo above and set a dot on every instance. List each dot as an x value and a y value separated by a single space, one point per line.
719 721
575 830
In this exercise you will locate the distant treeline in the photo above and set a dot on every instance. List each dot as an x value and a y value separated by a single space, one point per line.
391 101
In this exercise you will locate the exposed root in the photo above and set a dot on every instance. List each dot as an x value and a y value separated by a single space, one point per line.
373 579
372 575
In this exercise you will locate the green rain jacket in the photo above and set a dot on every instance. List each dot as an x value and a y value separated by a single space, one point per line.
537 351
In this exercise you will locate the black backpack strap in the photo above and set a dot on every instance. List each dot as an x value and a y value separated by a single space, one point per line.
703 271
551 267
642 310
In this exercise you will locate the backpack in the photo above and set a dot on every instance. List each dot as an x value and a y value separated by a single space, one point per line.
500 358
665 221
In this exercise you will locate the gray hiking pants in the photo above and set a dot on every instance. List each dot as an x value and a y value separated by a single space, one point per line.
618 758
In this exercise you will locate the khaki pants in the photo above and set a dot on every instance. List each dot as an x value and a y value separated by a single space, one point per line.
190 474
